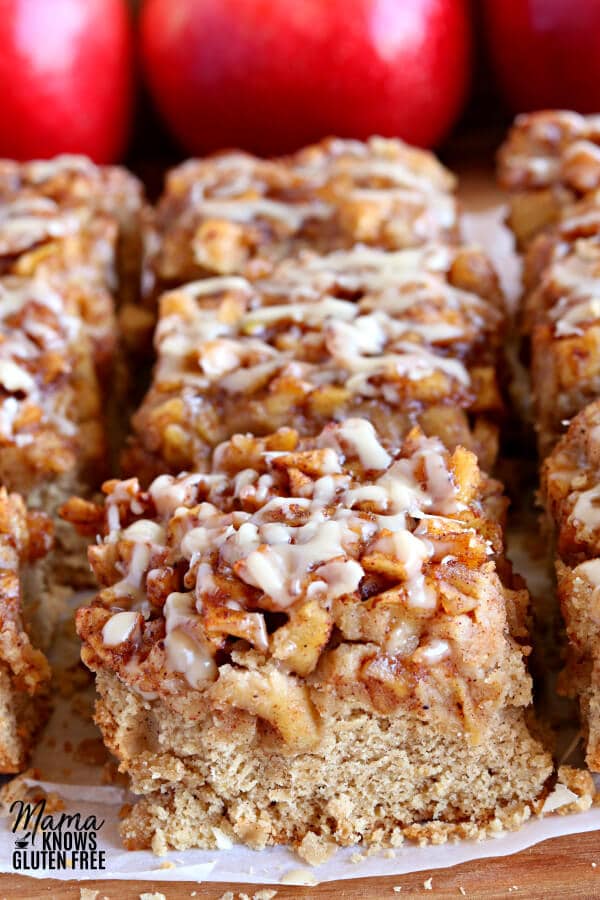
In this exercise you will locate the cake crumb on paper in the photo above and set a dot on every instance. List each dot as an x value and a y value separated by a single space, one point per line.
167 864
316 849
357 858
389 853
18 788
428 885
87 894
299 876
560 796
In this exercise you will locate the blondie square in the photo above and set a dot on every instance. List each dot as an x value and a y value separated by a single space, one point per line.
311 643
402 338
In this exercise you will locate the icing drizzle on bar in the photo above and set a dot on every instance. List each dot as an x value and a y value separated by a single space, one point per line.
574 279
300 528
316 198
37 336
544 148
292 325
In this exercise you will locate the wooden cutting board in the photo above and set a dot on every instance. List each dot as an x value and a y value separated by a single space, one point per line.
563 867
566 867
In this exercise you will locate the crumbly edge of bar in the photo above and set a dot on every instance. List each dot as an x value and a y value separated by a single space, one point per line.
25 617
373 778
21 717
66 567
580 676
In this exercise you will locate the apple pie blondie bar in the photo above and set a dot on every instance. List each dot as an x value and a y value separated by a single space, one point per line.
237 214
562 323
52 435
25 539
311 644
69 221
69 191
69 248
68 236
401 338
550 160
556 155
571 493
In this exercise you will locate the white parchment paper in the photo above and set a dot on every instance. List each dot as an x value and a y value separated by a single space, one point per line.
79 786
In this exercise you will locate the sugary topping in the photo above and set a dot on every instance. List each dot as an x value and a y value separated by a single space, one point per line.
119 628
39 171
547 148
289 547
375 163
570 288
73 182
359 436
28 221
352 333
590 571
234 213
571 487
293 547
37 340
317 342
365 286
586 510
454 279
378 161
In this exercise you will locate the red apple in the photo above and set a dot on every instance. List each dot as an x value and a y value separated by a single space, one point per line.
545 53
271 75
65 77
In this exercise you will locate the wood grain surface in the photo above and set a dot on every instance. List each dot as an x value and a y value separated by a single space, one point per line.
566 867
563 867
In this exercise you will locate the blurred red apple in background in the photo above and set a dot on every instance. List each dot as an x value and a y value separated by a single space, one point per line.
271 75
66 77
545 53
